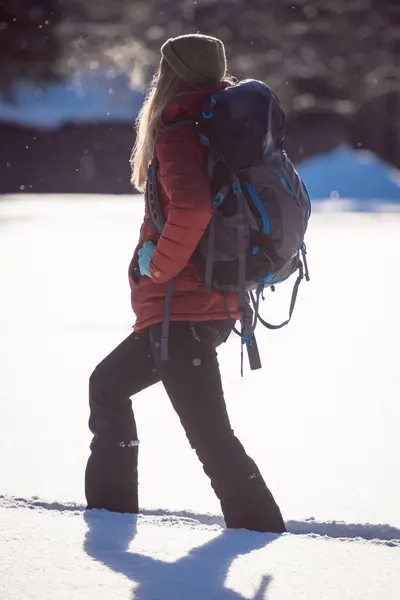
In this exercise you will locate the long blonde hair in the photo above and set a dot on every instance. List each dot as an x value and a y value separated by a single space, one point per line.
164 86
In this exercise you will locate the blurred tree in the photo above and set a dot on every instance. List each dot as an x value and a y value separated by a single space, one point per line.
328 57
306 49
322 57
29 46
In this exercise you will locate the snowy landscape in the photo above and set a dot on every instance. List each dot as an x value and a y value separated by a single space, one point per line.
321 419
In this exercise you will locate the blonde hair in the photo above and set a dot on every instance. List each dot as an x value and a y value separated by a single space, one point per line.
165 85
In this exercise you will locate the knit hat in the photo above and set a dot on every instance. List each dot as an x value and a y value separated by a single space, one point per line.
196 58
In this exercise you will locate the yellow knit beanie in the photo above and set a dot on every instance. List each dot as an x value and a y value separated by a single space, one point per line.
196 58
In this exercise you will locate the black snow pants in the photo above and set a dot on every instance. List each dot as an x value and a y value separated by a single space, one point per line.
192 380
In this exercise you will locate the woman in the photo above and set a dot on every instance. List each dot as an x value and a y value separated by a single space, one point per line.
191 67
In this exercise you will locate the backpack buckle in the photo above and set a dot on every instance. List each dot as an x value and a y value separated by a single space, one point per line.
210 114
204 140
219 198
247 338
236 187
303 250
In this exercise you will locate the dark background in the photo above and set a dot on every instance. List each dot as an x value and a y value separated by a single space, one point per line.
335 65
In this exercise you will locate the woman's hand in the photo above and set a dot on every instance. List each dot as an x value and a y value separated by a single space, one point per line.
145 253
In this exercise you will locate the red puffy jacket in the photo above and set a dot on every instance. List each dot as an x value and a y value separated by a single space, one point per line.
186 200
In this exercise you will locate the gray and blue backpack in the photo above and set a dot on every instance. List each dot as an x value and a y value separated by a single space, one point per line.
260 211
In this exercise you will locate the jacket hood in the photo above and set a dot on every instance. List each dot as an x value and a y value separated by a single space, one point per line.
187 104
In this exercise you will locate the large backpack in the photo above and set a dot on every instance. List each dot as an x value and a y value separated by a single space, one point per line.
260 210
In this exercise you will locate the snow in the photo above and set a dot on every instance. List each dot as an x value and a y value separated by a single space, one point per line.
321 419
73 555
90 96
360 176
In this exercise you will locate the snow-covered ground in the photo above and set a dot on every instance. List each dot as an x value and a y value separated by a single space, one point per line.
356 178
321 419
89 96
47 555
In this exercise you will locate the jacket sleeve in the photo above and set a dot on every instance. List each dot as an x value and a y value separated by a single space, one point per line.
182 175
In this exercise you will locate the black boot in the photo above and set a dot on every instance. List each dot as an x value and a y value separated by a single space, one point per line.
254 508
111 479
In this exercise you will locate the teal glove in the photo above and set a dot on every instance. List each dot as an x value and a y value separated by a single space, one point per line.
145 253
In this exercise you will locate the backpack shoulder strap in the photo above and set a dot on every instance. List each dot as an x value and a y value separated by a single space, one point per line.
154 207
152 197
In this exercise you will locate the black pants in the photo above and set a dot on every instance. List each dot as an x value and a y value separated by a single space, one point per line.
192 380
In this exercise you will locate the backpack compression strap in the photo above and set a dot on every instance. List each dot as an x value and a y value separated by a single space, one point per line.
248 323
217 201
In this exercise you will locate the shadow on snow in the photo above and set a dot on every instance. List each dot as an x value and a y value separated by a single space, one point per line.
198 575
